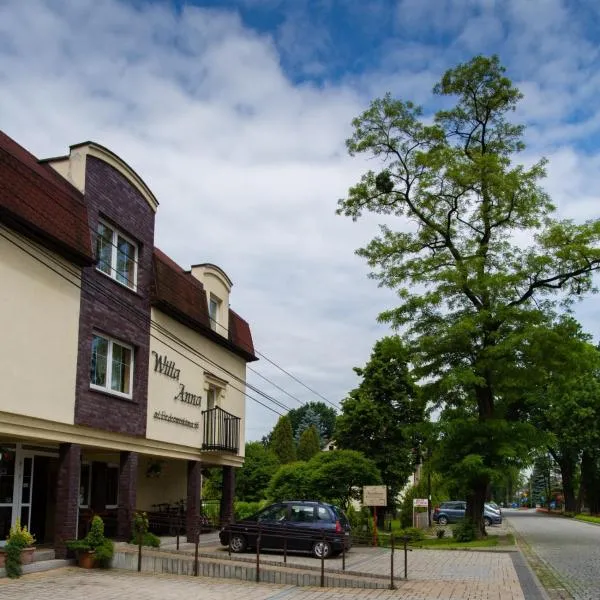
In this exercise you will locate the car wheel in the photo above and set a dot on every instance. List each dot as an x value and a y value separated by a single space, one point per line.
322 549
237 543
487 521
443 520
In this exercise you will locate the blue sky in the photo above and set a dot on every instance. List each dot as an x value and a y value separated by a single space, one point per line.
236 113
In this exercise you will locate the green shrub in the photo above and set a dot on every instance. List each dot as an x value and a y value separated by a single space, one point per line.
360 520
414 534
95 541
148 539
18 538
440 533
243 510
104 553
465 531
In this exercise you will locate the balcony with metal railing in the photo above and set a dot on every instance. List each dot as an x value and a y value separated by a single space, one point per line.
221 431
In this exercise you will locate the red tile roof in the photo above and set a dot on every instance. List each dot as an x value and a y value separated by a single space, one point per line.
182 296
37 200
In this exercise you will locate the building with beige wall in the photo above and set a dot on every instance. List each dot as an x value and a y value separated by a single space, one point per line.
124 375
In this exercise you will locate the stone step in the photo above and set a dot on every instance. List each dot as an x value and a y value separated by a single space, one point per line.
44 565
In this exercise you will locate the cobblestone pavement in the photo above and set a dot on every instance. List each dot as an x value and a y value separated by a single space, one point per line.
74 584
571 548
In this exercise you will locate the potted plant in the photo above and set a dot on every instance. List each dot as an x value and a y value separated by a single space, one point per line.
18 550
94 549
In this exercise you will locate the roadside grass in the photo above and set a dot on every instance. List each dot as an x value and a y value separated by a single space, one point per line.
587 518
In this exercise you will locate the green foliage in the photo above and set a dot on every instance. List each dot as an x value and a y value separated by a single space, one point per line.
471 295
465 531
291 481
12 562
335 477
148 539
360 520
282 441
309 443
252 480
414 534
212 483
96 542
383 417
103 554
313 413
440 533
140 526
243 510
20 536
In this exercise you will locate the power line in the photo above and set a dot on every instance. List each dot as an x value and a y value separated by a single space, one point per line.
127 279
145 319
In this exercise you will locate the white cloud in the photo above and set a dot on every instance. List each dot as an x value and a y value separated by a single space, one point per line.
248 166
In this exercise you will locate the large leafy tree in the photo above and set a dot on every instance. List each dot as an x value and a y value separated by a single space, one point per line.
382 417
282 441
309 444
477 258
336 477
313 413
252 480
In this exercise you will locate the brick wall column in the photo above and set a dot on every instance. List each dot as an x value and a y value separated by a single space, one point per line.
67 497
128 468
227 495
193 499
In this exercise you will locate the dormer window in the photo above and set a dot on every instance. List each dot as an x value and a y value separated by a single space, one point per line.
117 255
214 309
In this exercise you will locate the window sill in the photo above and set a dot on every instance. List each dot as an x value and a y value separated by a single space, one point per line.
113 395
117 282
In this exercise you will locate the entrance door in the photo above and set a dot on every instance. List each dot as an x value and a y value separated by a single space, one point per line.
7 491
25 468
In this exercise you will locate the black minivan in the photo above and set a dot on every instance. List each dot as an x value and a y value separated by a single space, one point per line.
301 525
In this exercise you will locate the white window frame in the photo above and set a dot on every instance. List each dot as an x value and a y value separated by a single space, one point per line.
214 321
113 256
107 389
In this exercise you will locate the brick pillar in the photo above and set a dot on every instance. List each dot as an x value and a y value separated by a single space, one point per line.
67 497
193 499
227 495
128 468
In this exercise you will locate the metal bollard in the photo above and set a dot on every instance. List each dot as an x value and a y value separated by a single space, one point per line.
392 586
344 553
406 551
322 558
285 543
258 556
229 545
139 552
196 561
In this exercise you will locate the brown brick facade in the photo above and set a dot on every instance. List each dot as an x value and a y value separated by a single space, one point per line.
227 495
127 493
193 499
110 308
67 497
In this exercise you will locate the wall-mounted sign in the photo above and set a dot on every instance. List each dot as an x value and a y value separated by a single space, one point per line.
375 495
161 415
168 368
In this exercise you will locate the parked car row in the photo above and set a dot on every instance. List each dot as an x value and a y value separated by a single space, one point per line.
300 525
454 511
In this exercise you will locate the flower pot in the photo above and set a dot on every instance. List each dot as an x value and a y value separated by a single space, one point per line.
26 556
86 559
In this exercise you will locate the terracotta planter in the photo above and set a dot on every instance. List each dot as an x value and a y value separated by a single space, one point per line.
86 559
26 556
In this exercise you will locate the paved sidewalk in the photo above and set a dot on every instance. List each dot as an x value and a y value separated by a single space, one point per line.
74 584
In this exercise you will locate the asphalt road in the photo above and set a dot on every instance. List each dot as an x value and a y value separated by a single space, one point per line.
571 548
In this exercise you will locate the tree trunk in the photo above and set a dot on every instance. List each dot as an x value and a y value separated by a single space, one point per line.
590 481
475 505
567 469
